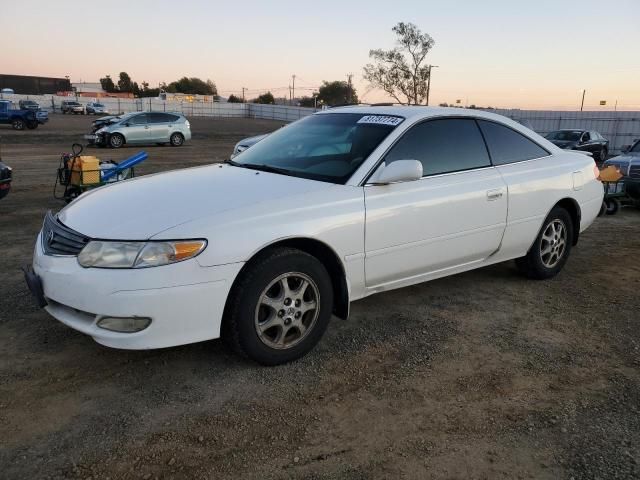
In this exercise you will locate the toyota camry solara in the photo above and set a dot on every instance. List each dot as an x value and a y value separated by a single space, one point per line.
345 203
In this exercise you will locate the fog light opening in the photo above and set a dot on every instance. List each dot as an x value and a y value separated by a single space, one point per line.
124 324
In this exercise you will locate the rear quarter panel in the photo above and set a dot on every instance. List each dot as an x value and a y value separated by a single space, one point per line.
536 186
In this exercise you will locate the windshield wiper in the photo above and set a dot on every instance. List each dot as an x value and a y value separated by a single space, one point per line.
261 167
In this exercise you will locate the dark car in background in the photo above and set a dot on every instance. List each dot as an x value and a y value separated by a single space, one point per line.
581 140
629 165
28 105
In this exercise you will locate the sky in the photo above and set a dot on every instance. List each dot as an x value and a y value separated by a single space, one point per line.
500 53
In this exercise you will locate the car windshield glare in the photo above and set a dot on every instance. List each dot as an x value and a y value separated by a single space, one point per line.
326 147
635 148
563 135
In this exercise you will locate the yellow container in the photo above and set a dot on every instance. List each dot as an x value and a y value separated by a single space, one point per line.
85 170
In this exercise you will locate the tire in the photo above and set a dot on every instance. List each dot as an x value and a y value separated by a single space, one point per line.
613 205
18 124
551 248
116 140
258 299
32 125
176 139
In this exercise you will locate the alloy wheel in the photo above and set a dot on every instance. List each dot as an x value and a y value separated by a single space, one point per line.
553 243
287 310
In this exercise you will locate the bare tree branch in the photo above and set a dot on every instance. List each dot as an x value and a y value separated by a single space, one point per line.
399 72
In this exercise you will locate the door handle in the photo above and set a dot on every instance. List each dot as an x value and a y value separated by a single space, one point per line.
494 194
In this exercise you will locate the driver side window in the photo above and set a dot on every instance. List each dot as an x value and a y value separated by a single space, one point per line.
442 146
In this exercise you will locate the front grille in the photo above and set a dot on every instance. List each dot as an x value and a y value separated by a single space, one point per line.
58 239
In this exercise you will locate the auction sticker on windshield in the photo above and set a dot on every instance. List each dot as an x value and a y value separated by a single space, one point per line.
381 120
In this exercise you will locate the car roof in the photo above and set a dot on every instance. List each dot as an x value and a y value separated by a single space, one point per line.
419 111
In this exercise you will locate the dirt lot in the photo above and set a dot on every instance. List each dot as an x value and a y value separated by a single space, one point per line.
481 375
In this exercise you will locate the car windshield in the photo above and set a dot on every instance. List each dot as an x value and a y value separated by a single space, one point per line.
565 135
98 105
328 147
636 147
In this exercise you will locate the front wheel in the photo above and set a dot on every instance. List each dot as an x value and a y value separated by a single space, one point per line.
116 140
279 308
551 249
176 139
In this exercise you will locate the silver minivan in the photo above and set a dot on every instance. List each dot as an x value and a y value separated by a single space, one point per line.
144 128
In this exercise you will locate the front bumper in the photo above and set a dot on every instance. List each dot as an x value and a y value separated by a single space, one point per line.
184 301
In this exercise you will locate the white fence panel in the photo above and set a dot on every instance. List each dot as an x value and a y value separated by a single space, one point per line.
621 128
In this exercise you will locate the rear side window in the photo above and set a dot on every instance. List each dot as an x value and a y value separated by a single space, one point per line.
443 146
162 117
508 146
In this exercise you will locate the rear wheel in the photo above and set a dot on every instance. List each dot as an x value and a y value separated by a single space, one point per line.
18 124
176 139
551 249
116 140
279 308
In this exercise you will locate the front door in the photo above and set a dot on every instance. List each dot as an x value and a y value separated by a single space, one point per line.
455 215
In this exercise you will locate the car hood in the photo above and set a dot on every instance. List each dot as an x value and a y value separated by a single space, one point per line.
140 208
624 159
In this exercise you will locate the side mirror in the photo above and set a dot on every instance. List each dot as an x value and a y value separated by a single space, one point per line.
127 124
625 148
398 171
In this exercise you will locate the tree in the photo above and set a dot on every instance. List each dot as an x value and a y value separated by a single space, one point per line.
234 99
337 93
400 71
307 102
107 84
124 83
193 86
265 98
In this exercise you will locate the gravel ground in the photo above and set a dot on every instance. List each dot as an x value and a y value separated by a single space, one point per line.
480 375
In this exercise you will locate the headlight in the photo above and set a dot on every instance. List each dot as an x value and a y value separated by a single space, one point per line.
102 254
101 130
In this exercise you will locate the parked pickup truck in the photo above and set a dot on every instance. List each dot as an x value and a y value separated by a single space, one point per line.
18 119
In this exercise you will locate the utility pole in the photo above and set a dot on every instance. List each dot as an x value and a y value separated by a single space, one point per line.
243 89
582 104
293 88
429 82
349 94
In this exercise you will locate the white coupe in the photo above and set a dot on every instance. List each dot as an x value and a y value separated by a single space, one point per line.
342 204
